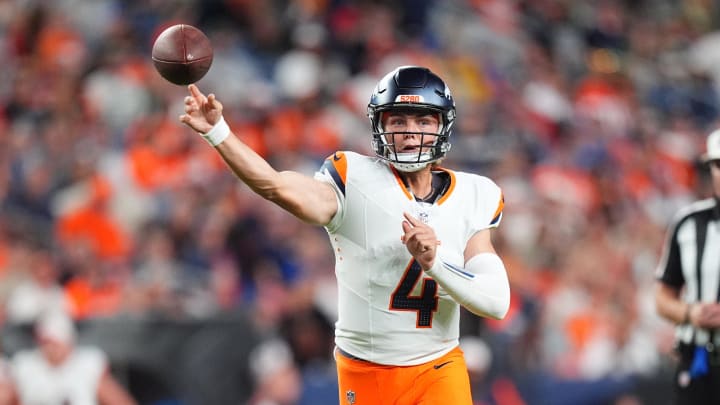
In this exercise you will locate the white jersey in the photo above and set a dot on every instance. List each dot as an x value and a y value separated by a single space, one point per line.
74 382
389 311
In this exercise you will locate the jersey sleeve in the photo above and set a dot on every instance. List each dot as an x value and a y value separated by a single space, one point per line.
669 270
490 205
334 172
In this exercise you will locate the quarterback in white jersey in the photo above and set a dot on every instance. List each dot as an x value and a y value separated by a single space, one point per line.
411 239
390 312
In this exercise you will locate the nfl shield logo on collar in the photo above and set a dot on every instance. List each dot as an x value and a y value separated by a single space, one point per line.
350 396
424 217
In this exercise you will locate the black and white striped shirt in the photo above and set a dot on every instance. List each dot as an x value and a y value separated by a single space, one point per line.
694 233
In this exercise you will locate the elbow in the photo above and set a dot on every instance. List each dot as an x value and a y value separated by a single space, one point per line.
659 306
276 195
494 307
489 295
666 300
500 313
500 309
267 191
292 205
272 195
501 303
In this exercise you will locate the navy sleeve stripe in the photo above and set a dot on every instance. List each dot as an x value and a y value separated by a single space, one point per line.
330 168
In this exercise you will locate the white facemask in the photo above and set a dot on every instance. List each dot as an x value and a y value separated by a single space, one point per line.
407 162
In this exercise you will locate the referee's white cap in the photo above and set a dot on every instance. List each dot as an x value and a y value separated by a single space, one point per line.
713 147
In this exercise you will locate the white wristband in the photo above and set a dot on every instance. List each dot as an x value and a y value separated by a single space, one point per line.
219 132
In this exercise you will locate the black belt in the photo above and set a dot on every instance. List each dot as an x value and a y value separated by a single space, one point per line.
348 355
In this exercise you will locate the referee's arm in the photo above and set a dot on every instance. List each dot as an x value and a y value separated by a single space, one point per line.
669 305
670 282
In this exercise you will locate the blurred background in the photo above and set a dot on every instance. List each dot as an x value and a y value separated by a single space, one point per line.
590 115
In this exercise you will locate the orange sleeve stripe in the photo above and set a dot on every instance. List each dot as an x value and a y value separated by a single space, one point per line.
336 167
339 161
498 211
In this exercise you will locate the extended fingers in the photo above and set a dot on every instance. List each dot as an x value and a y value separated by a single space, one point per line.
196 93
198 101
409 232
190 105
412 220
414 228
418 239
214 104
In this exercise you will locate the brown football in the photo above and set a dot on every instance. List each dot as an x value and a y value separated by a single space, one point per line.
182 54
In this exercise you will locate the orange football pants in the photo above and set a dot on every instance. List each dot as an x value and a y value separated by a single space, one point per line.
441 381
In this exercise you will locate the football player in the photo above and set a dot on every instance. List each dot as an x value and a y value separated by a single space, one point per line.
411 239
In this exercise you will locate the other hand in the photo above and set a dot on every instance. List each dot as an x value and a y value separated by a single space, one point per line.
705 315
420 240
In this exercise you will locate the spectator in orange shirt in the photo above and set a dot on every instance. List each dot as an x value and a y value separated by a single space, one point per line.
91 224
95 291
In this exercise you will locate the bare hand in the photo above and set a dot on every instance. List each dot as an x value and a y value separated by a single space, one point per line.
420 240
705 315
201 112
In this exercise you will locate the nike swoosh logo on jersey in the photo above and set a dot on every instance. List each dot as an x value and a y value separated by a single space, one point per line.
437 366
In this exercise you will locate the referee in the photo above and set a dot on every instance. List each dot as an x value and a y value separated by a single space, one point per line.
688 292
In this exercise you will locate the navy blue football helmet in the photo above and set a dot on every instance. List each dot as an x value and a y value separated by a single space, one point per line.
411 88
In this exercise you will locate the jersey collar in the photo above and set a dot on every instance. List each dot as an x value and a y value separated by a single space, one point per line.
443 196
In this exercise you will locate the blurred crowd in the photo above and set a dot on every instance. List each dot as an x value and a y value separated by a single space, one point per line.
589 114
